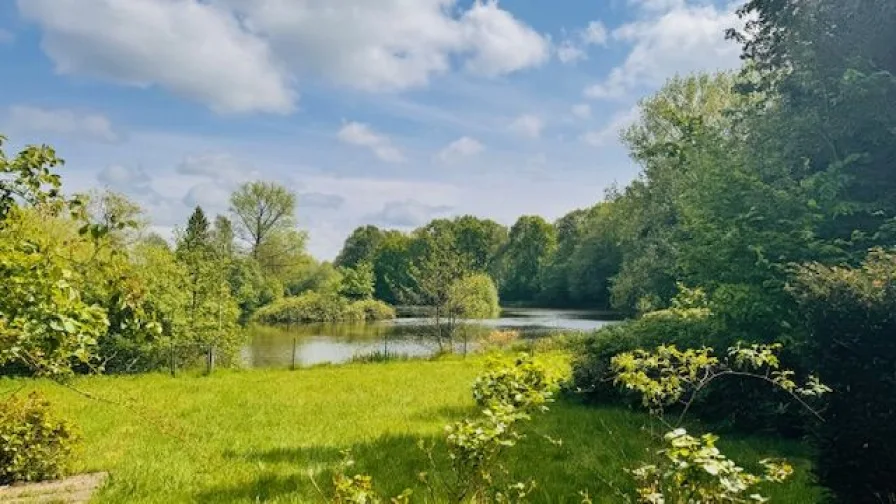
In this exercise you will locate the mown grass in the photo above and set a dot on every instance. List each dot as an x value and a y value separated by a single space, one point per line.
260 436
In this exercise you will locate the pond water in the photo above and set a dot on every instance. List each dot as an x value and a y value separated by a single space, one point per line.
310 344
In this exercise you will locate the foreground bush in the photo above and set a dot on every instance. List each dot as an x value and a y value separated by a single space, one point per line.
690 323
34 446
316 307
851 314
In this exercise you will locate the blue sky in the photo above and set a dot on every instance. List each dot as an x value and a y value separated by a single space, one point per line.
390 112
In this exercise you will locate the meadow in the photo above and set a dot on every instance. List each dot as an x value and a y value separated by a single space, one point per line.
278 435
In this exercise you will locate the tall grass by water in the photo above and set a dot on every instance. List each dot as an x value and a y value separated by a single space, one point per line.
268 435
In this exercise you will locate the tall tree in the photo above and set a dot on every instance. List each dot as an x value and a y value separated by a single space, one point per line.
222 237
479 241
531 247
260 209
360 247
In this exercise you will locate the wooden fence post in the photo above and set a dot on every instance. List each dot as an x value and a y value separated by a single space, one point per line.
294 343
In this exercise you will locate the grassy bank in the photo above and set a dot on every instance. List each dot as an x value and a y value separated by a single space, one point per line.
255 436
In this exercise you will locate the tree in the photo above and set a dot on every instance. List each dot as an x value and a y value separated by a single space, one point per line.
434 268
45 324
531 247
358 282
360 247
212 312
222 237
391 267
260 209
479 241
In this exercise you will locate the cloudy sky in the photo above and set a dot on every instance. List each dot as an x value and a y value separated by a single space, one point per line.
389 112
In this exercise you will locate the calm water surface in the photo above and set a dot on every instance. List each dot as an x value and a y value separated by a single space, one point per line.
314 344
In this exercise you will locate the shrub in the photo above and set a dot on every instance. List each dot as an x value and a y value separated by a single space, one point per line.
851 316
316 307
35 446
684 327
474 297
372 309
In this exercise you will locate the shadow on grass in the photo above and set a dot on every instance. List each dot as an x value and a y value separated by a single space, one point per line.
598 446
446 413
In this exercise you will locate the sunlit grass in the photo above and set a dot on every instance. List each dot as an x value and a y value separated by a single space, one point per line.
260 436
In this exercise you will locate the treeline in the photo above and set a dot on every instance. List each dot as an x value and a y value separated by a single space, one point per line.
535 262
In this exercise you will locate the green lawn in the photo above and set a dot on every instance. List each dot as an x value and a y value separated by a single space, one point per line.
255 436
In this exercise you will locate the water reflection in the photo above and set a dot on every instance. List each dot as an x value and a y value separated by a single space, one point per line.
311 344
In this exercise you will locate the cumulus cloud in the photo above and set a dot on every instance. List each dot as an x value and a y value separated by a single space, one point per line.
321 200
248 55
361 135
499 42
673 38
193 49
84 125
527 125
460 148
406 214
575 48
209 195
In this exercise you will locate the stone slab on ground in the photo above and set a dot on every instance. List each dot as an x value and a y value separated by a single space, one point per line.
74 490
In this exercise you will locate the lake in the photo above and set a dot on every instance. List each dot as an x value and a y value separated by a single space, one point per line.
310 344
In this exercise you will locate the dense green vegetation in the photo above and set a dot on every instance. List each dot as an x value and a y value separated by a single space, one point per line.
261 435
764 212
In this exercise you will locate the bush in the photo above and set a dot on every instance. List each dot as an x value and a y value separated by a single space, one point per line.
474 297
35 446
316 307
683 327
851 316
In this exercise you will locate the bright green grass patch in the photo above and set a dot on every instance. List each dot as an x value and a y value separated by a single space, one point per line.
255 436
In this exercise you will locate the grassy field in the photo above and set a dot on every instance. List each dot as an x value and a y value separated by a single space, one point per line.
257 436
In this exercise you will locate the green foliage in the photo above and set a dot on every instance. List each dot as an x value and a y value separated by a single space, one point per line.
45 322
474 297
357 282
34 444
851 315
691 469
360 247
318 307
694 470
261 209
531 246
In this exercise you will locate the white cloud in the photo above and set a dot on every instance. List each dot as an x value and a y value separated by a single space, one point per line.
193 49
248 55
575 48
527 125
581 110
675 39
568 52
595 33
460 148
66 122
500 43
610 132
362 135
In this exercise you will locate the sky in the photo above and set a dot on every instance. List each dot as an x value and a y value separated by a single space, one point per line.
385 112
